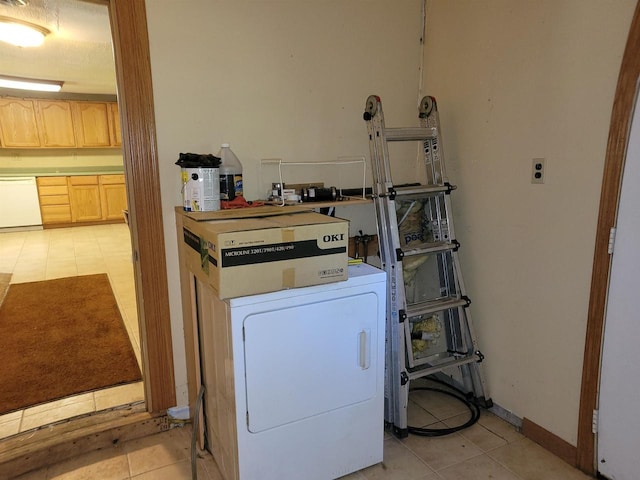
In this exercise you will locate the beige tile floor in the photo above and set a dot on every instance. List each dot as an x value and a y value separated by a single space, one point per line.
63 252
490 449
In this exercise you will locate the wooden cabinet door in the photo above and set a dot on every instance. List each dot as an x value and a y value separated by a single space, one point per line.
56 124
84 196
114 125
92 124
18 125
113 196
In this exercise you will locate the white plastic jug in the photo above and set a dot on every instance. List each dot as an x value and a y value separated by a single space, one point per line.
230 174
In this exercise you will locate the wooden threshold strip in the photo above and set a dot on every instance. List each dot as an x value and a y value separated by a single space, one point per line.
55 443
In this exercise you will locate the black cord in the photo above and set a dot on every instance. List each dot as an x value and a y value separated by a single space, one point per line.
457 394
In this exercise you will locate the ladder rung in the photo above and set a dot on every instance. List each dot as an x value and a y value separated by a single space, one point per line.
422 190
453 362
410 133
424 248
432 306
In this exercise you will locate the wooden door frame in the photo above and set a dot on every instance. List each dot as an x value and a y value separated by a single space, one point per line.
621 116
135 99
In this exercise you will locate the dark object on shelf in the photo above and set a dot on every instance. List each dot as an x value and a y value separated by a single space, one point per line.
198 160
314 194
356 192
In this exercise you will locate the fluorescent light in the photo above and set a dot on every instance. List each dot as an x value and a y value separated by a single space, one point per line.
30 84
21 33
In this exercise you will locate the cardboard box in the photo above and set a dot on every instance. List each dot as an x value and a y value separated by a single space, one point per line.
247 256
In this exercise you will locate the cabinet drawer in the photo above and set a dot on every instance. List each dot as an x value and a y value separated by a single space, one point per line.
56 213
54 200
46 190
52 181
84 180
111 179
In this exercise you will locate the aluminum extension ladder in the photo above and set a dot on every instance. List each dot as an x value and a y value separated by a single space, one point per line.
429 330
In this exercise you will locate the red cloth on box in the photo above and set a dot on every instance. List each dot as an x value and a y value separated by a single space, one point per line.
238 202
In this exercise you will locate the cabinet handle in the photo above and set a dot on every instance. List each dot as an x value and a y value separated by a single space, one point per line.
365 349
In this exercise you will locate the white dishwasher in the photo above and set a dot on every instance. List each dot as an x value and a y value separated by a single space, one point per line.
19 206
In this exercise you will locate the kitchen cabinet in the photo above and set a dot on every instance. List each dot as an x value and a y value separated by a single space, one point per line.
84 196
56 124
39 123
18 124
92 124
80 199
114 125
113 196
53 194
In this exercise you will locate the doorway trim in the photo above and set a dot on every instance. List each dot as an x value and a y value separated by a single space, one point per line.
621 115
135 98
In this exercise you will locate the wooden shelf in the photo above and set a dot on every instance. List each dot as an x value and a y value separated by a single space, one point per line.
342 203
268 210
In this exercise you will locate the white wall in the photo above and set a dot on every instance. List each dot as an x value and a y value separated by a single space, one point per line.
516 80
285 79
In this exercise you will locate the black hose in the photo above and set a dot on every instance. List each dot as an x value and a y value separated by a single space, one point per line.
457 394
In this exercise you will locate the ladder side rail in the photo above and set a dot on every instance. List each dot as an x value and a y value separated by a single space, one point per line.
476 375
392 372
480 384
398 301
452 316
429 118
377 174
426 106
397 393
392 375
434 177
380 136
395 301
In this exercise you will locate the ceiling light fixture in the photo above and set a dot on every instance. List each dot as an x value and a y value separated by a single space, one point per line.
21 33
30 84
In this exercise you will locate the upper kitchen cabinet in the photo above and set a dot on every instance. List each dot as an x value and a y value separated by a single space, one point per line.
39 123
26 123
56 124
18 124
94 124
114 125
